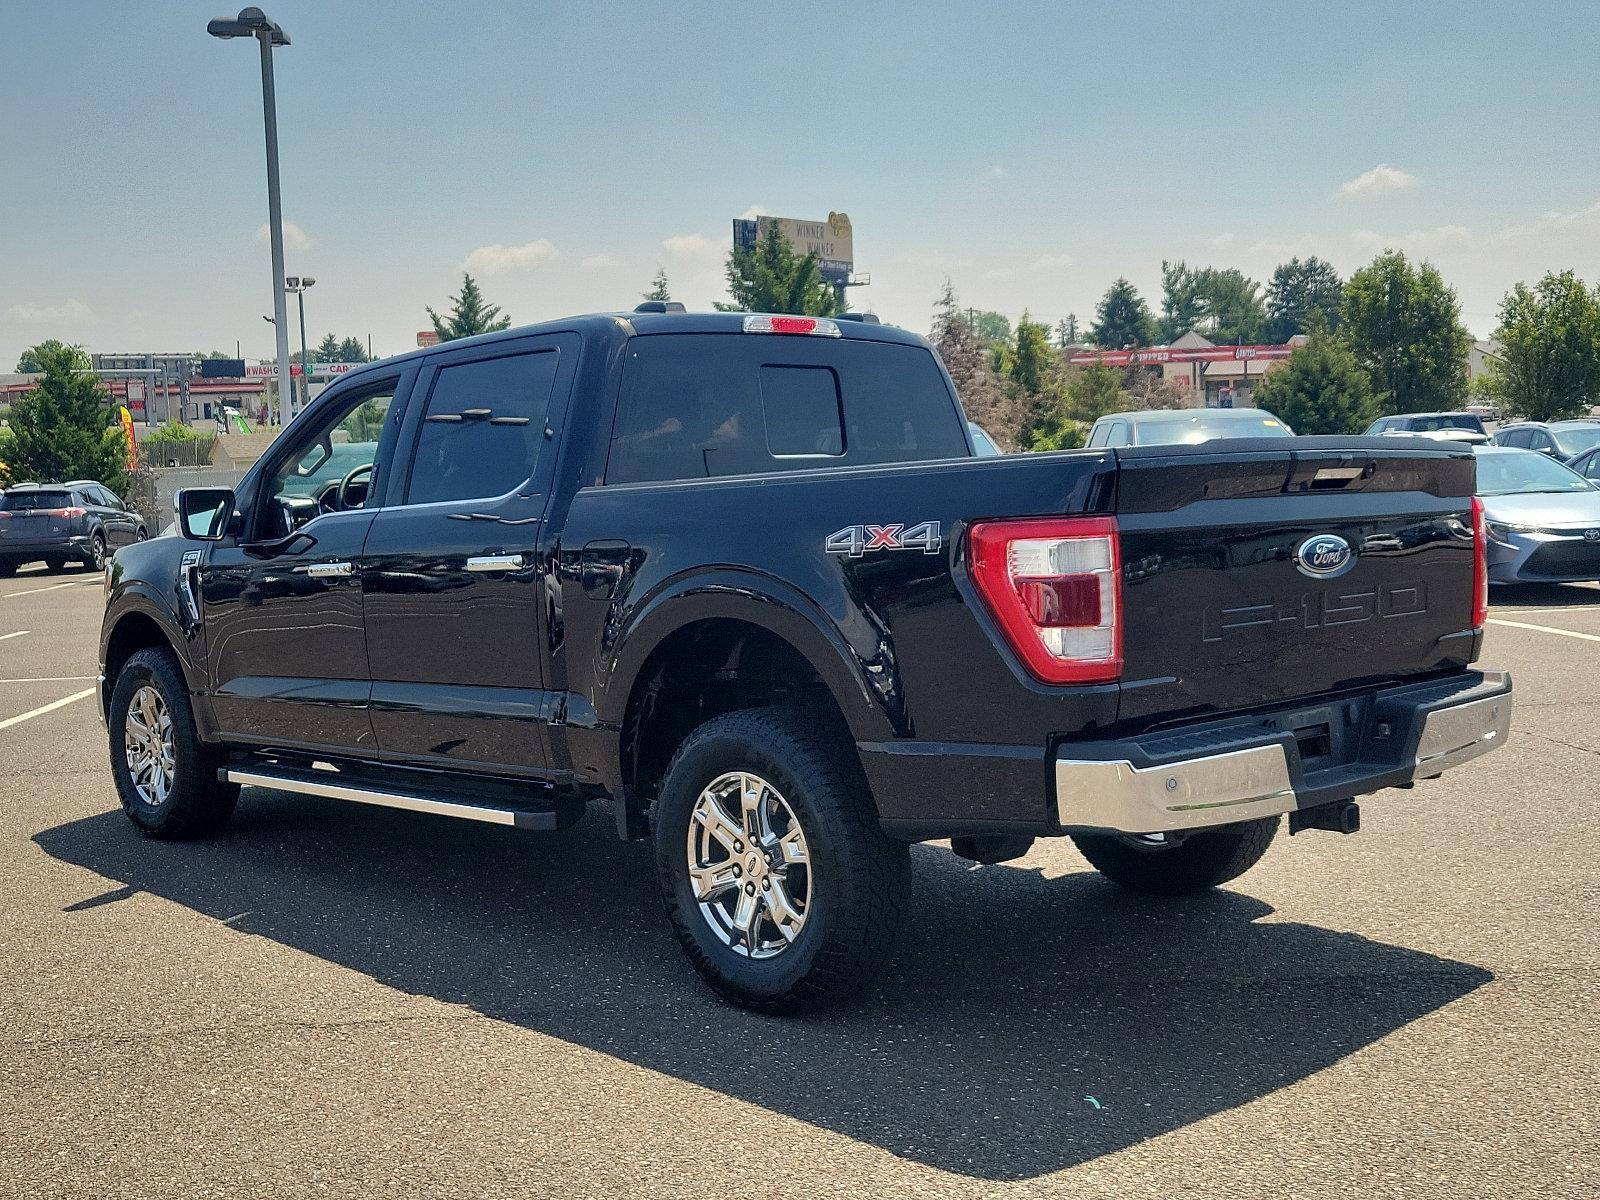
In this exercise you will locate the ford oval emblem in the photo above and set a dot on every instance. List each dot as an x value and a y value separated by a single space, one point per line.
1324 555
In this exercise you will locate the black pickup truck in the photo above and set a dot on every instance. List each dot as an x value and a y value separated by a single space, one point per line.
743 576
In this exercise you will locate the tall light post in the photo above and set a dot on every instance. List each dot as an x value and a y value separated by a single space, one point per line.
298 285
252 22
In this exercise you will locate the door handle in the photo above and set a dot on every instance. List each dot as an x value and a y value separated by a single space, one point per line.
337 570
495 562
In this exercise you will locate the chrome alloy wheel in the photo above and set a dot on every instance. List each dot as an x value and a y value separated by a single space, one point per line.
749 865
147 742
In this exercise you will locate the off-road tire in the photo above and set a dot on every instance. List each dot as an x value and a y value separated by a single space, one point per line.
1200 861
199 803
860 879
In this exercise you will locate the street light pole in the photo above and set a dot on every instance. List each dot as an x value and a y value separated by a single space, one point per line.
252 22
269 101
298 285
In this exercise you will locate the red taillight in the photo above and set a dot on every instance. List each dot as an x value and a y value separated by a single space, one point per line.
1480 566
69 512
1054 586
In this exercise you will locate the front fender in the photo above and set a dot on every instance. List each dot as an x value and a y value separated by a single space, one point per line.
139 597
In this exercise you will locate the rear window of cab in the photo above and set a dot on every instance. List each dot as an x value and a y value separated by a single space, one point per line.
702 406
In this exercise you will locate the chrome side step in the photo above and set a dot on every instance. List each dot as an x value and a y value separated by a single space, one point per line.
330 785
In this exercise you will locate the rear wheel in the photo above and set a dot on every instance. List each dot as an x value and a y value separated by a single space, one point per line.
97 552
782 889
166 777
1163 865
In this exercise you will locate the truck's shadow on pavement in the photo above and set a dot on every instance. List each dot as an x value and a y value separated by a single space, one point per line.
1025 1024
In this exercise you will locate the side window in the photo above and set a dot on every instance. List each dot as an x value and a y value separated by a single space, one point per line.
1117 434
1540 440
804 416
110 500
483 428
343 446
1591 469
1515 437
1097 435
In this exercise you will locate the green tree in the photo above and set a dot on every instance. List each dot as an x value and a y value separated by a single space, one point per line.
990 327
327 349
1550 339
1298 289
1122 319
1404 325
659 289
771 277
352 350
1032 357
1067 332
1222 304
1183 304
63 428
33 358
469 315
1093 391
1321 389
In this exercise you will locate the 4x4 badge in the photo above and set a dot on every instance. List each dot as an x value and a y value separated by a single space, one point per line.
856 540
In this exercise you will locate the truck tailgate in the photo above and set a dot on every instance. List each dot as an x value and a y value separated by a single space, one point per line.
1254 574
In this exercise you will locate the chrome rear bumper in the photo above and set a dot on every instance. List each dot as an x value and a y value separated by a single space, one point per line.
1404 734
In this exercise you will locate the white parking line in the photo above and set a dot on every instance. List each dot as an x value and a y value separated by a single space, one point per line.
1571 633
7 636
53 679
51 588
45 708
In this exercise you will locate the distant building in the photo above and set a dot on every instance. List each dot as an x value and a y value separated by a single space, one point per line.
1215 376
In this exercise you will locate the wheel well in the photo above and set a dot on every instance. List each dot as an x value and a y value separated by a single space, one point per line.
133 633
701 671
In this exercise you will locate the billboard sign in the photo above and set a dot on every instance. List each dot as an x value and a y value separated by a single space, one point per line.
832 241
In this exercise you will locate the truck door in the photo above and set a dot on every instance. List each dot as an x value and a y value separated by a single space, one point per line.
282 602
452 576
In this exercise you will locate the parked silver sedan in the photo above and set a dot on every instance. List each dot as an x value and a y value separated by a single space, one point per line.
1543 519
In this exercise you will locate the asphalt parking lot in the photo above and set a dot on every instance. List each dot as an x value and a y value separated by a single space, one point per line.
347 1001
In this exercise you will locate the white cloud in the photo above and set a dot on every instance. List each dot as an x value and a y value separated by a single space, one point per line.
294 238
69 311
1045 262
754 211
997 172
1223 240
600 262
498 259
1382 178
690 245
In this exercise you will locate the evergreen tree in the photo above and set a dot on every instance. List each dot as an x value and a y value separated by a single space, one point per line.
1224 305
327 350
33 358
658 286
1404 325
771 277
1321 389
1123 319
469 315
1299 289
1031 358
351 350
64 428
1067 333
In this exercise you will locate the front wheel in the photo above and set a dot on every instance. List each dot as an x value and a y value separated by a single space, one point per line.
166 777
780 884
1161 865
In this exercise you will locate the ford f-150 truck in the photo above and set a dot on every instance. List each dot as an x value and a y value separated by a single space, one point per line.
744 577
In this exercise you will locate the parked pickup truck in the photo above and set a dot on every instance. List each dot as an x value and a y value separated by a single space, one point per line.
743 577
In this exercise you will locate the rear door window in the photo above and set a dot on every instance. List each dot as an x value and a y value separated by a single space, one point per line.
31 501
483 428
699 406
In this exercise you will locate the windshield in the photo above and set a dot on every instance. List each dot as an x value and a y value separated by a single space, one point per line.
28 501
1576 440
982 444
1188 429
1438 421
1504 472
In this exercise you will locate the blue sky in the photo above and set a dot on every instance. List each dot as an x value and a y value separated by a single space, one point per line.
1031 153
